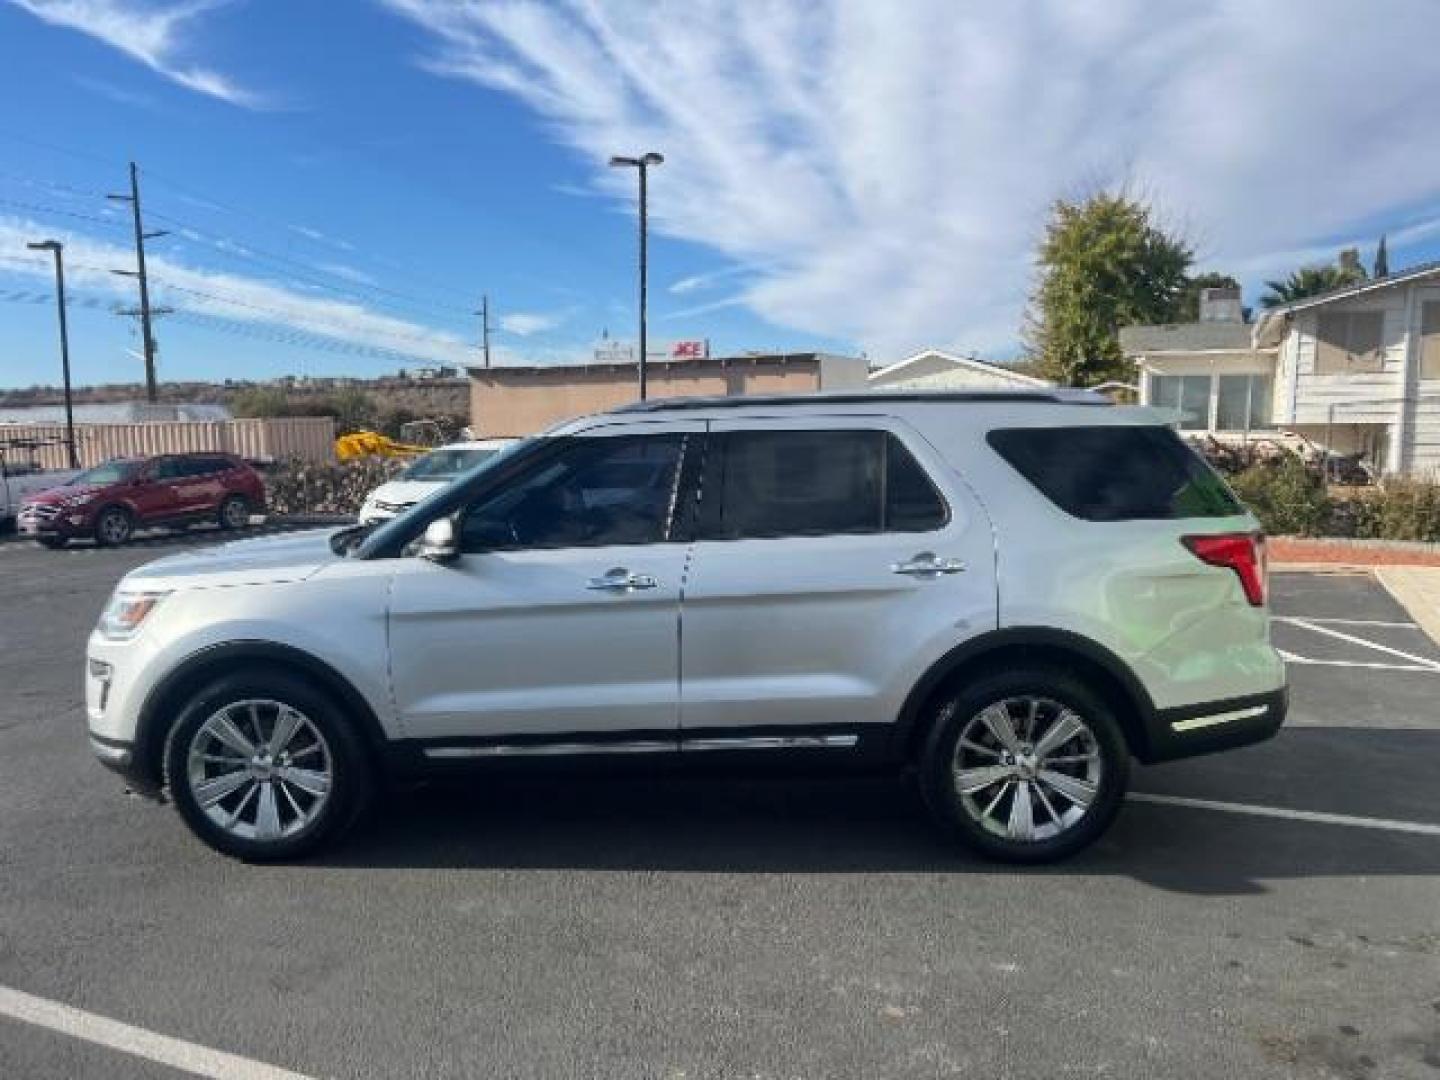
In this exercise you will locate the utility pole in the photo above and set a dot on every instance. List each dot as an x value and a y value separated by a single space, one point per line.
57 249
151 391
642 165
485 328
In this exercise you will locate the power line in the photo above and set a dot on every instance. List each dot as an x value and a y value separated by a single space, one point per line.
290 318
245 250
37 208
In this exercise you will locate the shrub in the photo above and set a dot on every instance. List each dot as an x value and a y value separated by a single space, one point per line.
1287 496
1406 510
295 487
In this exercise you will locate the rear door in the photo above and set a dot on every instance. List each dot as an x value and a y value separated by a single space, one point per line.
837 558
155 496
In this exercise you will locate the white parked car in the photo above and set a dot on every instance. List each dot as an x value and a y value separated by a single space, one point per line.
1010 595
424 476
21 476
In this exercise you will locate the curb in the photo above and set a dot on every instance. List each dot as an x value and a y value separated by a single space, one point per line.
1417 590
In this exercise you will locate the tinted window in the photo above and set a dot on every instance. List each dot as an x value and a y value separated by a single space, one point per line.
592 493
171 468
822 483
200 466
1116 473
911 502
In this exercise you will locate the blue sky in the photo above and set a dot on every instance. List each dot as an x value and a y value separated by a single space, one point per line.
343 178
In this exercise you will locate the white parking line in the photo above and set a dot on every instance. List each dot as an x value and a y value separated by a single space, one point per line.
1372 665
1419 663
1416 827
176 1053
1347 622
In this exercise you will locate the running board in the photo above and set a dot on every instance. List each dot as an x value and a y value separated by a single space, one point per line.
647 746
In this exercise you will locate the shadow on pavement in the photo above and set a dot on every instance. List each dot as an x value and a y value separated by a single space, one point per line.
809 825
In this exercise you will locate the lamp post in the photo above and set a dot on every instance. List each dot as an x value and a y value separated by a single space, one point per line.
642 165
57 249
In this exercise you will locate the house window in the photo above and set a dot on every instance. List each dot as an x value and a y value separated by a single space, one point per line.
1242 402
1430 339
1349 342
1188 394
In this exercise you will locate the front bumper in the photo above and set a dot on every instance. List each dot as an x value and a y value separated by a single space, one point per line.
1214 725
62 523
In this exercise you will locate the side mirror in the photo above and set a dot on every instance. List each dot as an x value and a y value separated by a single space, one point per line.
440 542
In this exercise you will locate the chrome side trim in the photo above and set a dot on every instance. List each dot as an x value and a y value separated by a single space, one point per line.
640 746
772 742
1196 722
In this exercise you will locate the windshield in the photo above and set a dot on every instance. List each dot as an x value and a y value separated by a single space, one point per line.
371 537
112 472
446 463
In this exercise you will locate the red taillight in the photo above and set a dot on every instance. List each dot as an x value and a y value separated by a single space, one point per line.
1242 552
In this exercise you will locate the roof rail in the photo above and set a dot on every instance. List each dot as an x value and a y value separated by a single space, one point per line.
1058 395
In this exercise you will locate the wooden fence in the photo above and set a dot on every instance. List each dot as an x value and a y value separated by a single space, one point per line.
309 438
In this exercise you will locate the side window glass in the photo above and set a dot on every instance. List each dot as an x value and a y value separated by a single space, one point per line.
596 492
801 483
911 502
166 469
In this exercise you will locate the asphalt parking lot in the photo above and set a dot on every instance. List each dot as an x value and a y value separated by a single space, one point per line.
1270 912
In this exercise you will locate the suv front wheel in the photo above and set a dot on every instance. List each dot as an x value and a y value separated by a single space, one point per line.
1026 766
262 766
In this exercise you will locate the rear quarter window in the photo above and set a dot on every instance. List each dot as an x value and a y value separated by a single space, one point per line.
1115 473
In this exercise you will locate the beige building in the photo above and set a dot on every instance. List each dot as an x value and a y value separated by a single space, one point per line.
517 401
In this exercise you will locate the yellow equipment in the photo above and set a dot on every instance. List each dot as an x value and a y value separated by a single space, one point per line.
372 444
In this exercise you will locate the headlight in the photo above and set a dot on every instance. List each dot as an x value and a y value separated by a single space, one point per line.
126 612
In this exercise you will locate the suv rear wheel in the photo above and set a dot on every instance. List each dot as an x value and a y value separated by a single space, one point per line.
1025 766
262 766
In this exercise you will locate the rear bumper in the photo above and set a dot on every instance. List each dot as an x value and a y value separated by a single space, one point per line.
1214 725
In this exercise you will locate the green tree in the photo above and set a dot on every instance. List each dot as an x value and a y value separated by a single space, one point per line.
1104 264
1189 307
1314 280
1382 259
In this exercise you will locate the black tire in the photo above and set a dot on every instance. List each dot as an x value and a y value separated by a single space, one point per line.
113 526
54 543
234 513
349 769
1103 768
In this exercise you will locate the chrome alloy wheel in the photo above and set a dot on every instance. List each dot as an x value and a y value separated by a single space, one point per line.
235 513
260 770
1027 769
113 527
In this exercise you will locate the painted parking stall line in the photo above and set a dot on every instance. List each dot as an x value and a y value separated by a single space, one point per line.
162 1049
1329 628
1417 828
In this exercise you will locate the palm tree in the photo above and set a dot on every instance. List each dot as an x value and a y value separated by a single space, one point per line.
1309 281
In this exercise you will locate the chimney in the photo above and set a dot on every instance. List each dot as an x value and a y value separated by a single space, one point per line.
1221 305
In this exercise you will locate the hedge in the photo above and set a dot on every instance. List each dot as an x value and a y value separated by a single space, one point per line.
1292 498
295 487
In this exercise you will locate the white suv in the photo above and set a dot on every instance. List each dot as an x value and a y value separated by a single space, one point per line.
1010 594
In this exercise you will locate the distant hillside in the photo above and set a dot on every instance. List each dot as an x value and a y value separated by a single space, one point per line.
420 396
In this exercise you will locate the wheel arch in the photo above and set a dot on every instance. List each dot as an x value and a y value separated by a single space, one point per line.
1091 661
164 701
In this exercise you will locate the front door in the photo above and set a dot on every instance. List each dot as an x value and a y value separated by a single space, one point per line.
557 627
836 560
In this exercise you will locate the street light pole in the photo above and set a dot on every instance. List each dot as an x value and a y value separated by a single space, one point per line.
57 249
642 165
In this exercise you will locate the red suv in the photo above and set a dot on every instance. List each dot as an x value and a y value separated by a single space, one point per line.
109 502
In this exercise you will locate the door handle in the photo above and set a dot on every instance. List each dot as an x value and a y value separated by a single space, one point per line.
621 580
928 565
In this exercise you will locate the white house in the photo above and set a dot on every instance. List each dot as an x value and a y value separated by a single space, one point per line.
934 369
1356 369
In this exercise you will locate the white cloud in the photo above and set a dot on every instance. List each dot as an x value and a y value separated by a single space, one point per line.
348 273
525 323
890 165
88 265
151 34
